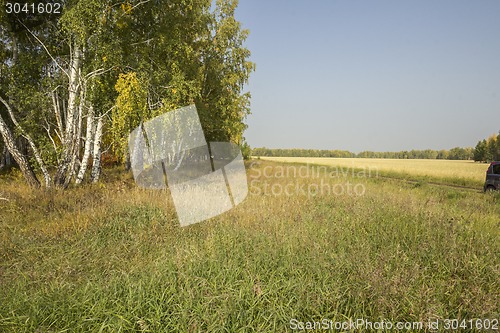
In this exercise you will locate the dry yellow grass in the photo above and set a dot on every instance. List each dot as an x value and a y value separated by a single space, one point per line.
467 170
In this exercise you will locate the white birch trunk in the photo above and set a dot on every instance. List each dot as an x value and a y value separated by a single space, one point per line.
70 139
96 163
57 112
36 153
21 160
89 140
73 90
75 163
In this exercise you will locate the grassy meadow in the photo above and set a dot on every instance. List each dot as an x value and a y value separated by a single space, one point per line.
112 257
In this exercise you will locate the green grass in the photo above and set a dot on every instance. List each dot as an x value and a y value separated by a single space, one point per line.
112 258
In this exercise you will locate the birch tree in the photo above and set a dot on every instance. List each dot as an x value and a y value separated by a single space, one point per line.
67 67
203 61
59 78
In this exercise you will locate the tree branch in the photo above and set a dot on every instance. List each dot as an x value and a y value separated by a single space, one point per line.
97 72
131 9
47 128
45 48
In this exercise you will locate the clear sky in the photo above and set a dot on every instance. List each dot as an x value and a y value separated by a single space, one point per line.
373 75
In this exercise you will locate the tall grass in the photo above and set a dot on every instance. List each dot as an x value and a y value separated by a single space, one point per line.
112 258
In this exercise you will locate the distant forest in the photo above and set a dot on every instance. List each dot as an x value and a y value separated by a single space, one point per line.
485 151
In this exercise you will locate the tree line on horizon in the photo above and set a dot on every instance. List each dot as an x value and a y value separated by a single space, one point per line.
486 150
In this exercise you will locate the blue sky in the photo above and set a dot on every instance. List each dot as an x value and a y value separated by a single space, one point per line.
372 75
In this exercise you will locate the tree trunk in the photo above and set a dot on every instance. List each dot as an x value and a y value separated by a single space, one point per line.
89 139
21 160
69 140
96 163
6 161
57 112
75 162
31 143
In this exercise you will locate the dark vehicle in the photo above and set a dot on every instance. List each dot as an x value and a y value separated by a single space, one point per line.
492 177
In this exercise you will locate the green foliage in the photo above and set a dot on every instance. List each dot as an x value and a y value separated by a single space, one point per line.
488 150
458 153
480 151
246 151
80 18
301 152
182 90
203 62
130 111
453 154
223 106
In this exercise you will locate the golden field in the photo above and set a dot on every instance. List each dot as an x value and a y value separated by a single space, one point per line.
466 172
